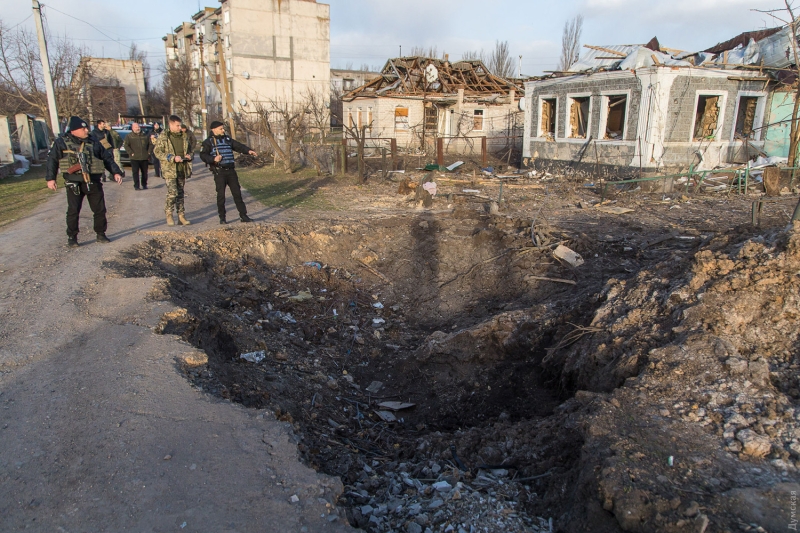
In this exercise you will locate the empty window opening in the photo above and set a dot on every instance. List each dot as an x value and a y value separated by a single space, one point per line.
615 118
477 120
579 117
746 117
706 118
401 119
548 125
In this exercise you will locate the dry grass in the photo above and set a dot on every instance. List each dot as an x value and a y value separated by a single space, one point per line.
19 195
274 188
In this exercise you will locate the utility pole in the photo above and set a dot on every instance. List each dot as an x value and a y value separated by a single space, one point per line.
87 90
223 69
519 71
135 70
203 109
48 79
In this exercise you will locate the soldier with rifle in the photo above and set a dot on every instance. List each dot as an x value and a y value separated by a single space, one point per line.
81 160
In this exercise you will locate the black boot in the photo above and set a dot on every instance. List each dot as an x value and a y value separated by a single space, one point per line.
72 242
245 218
101 237
222 220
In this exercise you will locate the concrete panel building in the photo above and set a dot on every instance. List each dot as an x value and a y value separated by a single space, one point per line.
271 51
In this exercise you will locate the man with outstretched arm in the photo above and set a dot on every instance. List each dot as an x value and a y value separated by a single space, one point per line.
81 160
217 152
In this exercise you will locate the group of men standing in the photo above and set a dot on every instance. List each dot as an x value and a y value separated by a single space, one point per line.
82 158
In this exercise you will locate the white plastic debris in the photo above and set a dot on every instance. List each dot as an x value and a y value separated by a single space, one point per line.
378 321
377 305
568 255
254 357
396 406
25 165
386 416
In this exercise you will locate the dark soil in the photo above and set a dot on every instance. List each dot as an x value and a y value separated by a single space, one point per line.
457 313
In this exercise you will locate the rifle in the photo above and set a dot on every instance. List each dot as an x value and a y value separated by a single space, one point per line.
81 166
84 166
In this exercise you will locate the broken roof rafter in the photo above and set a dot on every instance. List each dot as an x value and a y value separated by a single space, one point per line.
470 75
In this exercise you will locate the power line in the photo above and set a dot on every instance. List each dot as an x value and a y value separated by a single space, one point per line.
118 41
19 23
115 40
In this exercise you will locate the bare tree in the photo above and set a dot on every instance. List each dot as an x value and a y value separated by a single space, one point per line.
181 87
318 118
474 55
140 55
570 43
432 52
500 63
21 77
281 120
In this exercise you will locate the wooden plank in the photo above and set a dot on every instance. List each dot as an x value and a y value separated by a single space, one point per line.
601 49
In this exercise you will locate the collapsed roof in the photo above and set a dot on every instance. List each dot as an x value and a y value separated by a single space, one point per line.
769 49
423 76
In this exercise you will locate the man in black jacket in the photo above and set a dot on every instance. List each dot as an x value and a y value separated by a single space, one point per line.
217 152
138 147
64 159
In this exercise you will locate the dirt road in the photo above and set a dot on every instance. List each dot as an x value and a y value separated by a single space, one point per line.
99 429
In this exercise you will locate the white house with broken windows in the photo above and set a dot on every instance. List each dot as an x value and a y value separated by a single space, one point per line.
416 99
657 109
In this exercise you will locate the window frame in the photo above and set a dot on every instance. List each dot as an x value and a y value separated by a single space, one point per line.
479 113
758 120
568 126
603 122
720 118
539 133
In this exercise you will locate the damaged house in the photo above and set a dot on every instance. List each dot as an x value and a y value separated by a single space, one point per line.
650 108
417 99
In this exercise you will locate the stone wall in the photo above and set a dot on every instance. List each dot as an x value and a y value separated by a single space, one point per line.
614 152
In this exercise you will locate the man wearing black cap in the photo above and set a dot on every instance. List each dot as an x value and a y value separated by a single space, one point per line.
81 160
217 152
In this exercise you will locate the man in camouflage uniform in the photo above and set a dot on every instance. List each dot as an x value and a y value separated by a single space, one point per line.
175 149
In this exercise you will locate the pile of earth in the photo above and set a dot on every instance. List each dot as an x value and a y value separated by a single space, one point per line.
659 398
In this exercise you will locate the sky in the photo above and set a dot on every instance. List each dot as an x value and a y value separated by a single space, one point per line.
370 31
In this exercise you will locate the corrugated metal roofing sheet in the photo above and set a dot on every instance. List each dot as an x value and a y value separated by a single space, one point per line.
600 56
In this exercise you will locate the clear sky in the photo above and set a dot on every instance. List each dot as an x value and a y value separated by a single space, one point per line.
370 31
